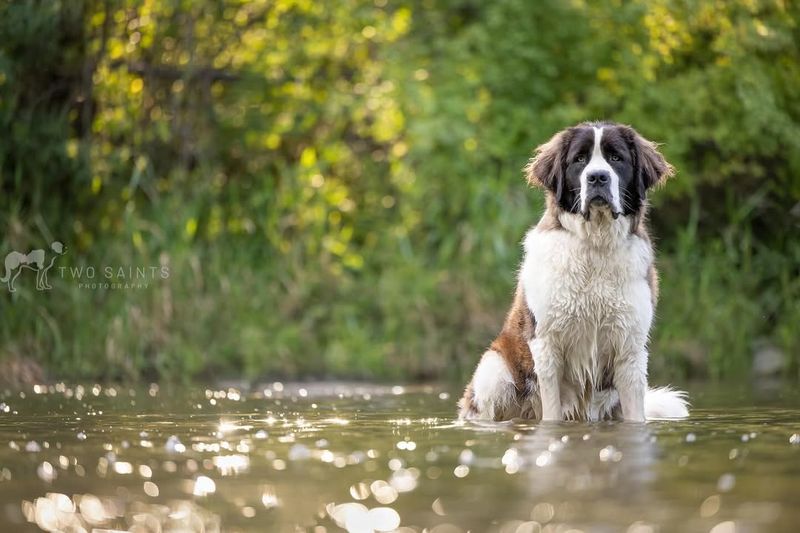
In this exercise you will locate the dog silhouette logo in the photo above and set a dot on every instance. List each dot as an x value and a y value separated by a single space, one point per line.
33 260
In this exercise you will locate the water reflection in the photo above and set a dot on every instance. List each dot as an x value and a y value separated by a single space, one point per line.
359 458
86 512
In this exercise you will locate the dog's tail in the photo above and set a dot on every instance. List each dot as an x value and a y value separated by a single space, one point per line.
665 402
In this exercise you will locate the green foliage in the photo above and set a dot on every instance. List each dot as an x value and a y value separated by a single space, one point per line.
335 187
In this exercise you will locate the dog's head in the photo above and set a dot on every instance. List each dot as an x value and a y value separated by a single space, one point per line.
598 166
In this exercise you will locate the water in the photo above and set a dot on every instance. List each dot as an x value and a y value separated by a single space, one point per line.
329 458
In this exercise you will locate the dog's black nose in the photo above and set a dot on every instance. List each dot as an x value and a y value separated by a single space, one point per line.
598 178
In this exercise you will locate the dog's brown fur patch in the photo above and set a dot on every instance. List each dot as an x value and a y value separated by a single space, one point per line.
512 345
512 342
549 220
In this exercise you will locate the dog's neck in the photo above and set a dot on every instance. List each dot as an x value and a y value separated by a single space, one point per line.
601 230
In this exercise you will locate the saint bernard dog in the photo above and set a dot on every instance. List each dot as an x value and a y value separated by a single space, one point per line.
574 343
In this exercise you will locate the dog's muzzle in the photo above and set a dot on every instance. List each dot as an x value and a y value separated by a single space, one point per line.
599 199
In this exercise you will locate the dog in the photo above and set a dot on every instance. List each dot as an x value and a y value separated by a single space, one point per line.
574 343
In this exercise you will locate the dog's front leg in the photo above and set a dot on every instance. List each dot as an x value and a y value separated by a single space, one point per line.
630 380
547 365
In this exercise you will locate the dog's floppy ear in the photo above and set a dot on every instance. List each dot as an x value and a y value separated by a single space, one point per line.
651 167
546 167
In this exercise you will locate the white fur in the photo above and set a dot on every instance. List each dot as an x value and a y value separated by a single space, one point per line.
493 386
665 402
599 163
587 287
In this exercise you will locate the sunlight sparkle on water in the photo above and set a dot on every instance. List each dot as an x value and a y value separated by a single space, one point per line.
87 512
203 486
269 499
174 445
270 464
357 518
231 464
151 489
123 467
228 426
385 493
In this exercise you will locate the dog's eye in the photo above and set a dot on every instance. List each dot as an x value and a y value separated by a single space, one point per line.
615 157
580 159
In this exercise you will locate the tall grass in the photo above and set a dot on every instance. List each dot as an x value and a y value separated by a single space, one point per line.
229 309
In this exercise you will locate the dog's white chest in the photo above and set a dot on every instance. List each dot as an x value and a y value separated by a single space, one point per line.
588 293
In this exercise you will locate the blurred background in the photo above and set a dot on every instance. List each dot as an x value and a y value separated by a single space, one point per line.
335 188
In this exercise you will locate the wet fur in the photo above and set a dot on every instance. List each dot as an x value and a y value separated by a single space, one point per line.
573 345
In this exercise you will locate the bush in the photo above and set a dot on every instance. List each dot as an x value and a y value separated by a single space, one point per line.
335 187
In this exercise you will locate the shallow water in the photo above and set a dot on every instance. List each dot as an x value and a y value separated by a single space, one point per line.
357 458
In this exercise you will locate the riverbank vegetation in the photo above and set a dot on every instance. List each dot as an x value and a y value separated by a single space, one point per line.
334 188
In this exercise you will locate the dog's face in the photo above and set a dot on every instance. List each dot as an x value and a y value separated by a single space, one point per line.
595 166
